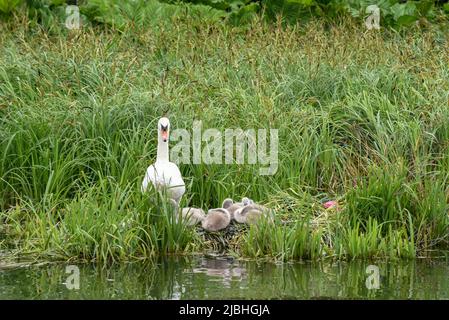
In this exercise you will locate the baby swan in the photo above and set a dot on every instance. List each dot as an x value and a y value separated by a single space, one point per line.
247 201
252 213
192 216
232 207
216 219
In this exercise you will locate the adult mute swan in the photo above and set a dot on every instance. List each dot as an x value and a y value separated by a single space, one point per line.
164 174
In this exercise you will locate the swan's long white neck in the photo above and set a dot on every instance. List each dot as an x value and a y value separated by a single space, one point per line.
162 149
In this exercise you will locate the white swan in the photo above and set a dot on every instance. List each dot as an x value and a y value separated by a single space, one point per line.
163 173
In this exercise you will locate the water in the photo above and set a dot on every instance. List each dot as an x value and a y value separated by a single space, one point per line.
227 278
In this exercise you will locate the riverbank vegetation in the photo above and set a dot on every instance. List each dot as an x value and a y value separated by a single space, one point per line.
362 117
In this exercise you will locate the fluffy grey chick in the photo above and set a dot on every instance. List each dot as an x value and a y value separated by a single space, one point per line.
216 219
192 216
252 213
232 206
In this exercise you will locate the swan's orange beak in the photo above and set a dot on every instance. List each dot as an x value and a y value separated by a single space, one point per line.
164 134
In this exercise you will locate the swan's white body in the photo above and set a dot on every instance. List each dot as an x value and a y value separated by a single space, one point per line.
164 174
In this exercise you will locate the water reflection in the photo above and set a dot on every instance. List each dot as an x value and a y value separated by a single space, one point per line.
227 278
220 269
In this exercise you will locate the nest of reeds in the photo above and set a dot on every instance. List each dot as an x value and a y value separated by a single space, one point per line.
223 240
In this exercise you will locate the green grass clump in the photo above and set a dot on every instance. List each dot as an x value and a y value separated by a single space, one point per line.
283 242
415 205
362 118
105 223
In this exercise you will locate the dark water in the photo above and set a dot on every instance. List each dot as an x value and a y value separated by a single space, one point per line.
227 278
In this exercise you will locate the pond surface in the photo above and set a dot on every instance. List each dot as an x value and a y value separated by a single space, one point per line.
228 278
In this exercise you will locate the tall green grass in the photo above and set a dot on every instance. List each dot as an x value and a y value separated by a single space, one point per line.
104 223
362 117
283 242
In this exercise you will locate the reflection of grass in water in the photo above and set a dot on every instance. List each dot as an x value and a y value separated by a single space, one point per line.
78 122
225 278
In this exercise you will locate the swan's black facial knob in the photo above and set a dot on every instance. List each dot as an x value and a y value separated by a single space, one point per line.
164 132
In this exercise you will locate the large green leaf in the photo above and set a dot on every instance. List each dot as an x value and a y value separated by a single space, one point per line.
404 9
245 14
424 7
446 7
406 20
303 2
7 6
